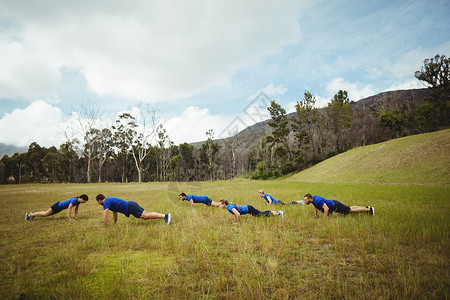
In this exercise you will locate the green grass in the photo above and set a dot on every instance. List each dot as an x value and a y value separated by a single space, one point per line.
418 159
402 252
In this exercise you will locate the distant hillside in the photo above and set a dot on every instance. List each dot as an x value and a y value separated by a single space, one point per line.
248 139
10 150
251 135
418 159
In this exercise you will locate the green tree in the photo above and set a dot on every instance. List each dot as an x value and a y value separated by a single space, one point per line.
209 151
186 165
340 116
69 161
436 74
394 120
303 123
278 140
122 138
163 155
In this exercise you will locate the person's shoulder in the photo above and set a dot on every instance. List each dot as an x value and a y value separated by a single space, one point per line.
113 199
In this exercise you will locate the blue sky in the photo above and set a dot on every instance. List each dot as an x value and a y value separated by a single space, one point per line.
203 63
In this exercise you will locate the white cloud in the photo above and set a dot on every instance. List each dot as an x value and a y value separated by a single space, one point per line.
355 91
407 85
192 125
144 50
39 122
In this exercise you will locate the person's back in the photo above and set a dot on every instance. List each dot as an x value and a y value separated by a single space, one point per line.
117 205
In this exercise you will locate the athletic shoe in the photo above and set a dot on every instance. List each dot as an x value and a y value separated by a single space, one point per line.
280 213
28 217
167 218
372 211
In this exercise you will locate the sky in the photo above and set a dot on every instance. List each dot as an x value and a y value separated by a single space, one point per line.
202 64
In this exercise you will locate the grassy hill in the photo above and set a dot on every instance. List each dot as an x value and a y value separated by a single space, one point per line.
420 159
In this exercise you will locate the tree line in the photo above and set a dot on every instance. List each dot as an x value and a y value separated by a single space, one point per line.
138 149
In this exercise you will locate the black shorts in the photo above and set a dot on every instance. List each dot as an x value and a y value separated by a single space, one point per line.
341 208
55 208
134 209
208 201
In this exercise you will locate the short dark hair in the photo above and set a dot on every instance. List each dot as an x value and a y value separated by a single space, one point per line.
84 197
182 194
100 197
309 196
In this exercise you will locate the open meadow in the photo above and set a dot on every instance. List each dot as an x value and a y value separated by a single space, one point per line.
401 253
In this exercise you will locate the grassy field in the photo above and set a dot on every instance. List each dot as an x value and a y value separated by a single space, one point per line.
401 253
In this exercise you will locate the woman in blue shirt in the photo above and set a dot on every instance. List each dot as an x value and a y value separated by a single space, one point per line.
271 200
59 206
237 210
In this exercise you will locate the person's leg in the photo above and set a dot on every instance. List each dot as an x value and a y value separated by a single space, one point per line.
253 211
212 203
357 209
44 213
297 202
151 215
215 204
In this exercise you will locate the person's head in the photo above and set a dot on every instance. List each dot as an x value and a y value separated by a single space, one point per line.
83 198
308 199
223 203
261 193
183 196
100 199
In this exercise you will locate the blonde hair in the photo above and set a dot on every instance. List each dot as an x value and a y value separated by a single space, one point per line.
261 192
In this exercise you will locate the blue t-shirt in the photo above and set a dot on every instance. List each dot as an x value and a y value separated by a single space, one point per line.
274 201
319 201
117 205
65 204
196 199
242 209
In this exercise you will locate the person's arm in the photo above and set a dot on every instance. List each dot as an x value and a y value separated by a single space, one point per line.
325 210
115 217
69 212
105 217
191 203
315 212
269 200
76 211
236 215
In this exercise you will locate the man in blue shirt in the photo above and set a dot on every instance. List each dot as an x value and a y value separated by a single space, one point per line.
127 208
329 206
198 199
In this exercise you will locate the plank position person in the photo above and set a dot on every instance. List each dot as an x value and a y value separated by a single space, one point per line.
271 200
237 210
127 208
59 206
198 199
330 206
